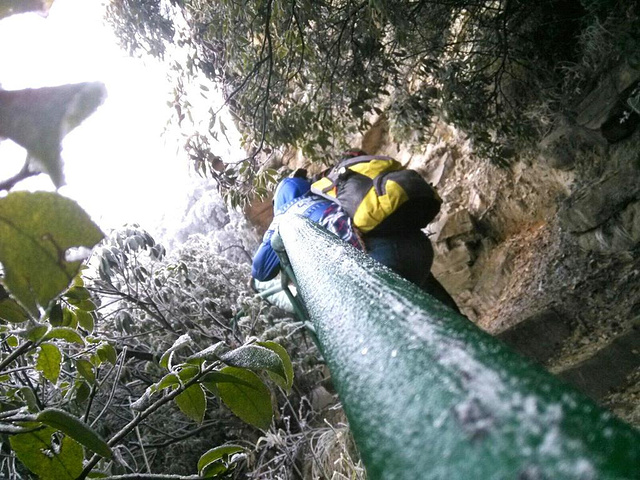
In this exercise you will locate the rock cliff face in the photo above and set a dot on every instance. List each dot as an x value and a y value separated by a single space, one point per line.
544 253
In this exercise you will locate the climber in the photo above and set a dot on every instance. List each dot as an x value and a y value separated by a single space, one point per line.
398 241
292 196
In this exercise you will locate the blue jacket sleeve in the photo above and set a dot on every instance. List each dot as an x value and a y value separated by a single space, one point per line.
266 263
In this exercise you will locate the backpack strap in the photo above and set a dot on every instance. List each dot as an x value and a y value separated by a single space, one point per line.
362 158
341 168
379 185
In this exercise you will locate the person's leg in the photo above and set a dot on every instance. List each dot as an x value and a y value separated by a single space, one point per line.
410 255
433 287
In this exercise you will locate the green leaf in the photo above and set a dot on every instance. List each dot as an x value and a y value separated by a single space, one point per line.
49 360
40 452
77 293
64 333
85 319
85 368
30 398
211 379
169 380
97 475
83 390
256 357
77 280
252 404
214 470
55 315
86 305
76 429
35 333
108 353
218 455
37 228
287 381
193 403
11 312
187 372
69 318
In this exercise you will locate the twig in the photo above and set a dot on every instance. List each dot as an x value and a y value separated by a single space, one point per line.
23 174
22 349
144 452
178 439
128 428
123 357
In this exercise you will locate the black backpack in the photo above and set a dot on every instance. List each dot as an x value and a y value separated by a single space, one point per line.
379 194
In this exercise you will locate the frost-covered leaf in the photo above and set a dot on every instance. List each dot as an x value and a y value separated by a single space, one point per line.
48 363
167 357
36 230
143 402
287 381
76 429
41 453
256 357
193 403
252 404
210 353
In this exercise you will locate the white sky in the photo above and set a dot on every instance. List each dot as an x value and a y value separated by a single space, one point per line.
116 165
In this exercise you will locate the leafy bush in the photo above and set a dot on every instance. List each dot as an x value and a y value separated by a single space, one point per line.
106 354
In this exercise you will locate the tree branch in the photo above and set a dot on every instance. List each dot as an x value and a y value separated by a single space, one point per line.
22 349
128 428
23 174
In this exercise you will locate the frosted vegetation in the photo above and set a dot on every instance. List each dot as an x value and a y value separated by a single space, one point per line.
149 359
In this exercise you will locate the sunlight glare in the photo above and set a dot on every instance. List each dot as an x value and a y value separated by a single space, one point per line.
116 165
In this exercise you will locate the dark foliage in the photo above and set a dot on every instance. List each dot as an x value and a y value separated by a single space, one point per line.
307 74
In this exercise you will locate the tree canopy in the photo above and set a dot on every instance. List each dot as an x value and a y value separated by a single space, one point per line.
308 74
